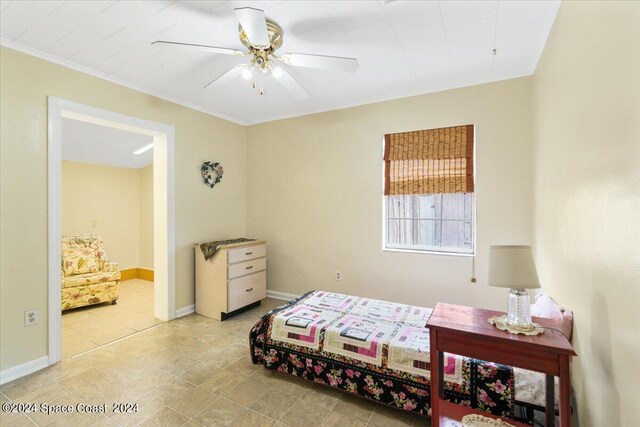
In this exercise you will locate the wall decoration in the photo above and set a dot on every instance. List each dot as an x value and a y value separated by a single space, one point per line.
211 173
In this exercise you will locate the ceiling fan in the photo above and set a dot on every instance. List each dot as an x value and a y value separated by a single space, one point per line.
263 36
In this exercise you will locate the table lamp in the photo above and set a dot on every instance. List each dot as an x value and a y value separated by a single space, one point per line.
513 267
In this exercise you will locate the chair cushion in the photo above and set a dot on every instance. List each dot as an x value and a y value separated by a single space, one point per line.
79 260
90 278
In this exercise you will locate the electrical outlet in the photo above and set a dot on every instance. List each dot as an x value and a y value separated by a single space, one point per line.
338 275
30 317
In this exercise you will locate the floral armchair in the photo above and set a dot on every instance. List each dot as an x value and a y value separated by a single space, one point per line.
88 277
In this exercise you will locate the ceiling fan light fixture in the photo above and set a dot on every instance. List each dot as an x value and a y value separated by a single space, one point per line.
247 73
276 72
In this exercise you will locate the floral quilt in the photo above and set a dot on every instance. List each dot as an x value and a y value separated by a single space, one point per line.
378 350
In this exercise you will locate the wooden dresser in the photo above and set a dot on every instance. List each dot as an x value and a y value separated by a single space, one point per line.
235 278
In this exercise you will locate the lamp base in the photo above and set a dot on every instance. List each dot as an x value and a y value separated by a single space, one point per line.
519 309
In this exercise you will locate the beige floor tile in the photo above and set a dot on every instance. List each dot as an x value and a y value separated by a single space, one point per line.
243 367
220 381
77 317
180 365
198 374
66 368
193 402
304 414
334 419
25 385
107 335
165 418
325 397
41 394
252 419
355 407
17 421
274 404
75 419
104 421
246 393
171 391
81 378
222 412
387 417
150 380
290 385
78 347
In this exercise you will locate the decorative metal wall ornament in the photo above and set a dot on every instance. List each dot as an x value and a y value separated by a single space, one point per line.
211 173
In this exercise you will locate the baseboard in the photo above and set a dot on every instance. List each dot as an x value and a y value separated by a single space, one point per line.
128 274
24 369
136 273
281 295
184 311
145 274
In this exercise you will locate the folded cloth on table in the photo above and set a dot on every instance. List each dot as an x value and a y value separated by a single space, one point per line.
209 249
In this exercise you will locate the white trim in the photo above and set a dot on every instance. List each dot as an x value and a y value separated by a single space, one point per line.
72 65
24 369
164 221
185 311
427 252
54 201
281 295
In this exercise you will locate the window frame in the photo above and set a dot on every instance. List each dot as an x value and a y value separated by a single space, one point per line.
414 249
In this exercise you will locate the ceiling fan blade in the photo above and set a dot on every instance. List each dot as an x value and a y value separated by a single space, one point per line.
323 62
292 86
230 75
206 48
254 24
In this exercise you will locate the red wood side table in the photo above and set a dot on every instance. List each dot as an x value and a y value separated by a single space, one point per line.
466 331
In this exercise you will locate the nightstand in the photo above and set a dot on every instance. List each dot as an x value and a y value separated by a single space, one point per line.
465 331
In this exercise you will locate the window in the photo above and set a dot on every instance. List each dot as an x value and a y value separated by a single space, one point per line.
429 191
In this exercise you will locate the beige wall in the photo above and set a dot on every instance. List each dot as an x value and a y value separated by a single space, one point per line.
587 197
25 84
314 191
145 253
112 197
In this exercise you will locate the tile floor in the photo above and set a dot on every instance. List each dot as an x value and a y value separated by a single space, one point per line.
89 327
191 371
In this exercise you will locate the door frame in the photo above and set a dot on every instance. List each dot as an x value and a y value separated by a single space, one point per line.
163 204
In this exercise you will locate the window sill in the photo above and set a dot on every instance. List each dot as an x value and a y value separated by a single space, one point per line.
423 252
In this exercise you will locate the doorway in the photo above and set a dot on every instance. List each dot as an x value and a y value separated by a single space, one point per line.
162 137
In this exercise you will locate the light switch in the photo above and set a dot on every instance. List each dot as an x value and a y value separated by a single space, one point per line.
94 223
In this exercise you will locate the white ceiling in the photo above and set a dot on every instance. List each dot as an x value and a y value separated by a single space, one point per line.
101 145
404 47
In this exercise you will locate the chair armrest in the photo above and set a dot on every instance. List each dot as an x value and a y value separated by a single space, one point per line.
110 266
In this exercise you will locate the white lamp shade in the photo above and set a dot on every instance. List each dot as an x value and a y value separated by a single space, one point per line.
512 267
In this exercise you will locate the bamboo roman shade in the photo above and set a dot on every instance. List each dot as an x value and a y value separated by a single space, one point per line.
429 161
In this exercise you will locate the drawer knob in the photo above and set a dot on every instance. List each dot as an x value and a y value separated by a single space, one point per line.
249 268
248 253
249 290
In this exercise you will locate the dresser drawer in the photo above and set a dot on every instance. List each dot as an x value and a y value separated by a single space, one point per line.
248 267
246 290
246 253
